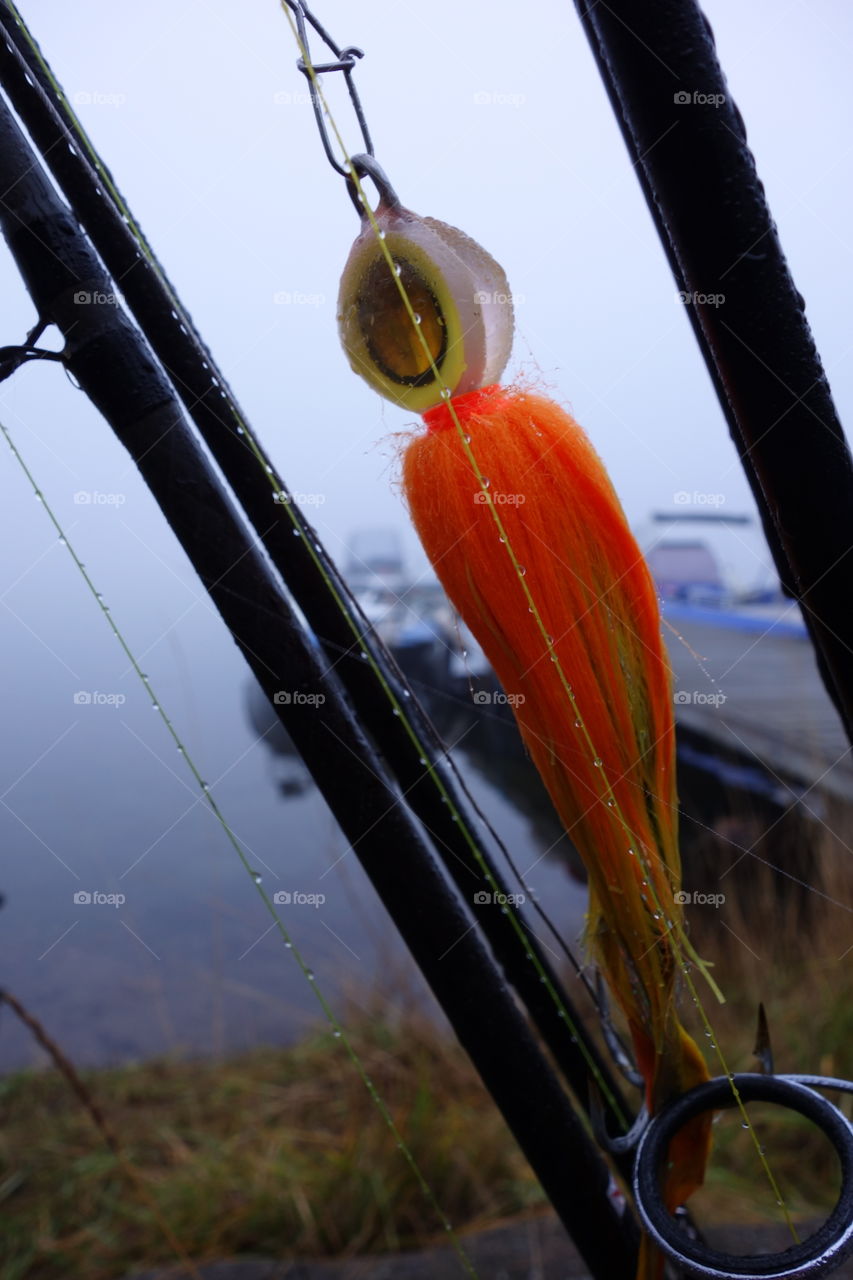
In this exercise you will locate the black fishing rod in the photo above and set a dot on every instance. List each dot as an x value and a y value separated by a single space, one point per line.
113 366
687 143
381 696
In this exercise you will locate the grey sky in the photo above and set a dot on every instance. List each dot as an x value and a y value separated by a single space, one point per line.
486 116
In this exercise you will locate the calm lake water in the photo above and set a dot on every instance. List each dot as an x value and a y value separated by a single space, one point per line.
98 801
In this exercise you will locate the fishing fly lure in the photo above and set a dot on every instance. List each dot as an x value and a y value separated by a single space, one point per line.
522 525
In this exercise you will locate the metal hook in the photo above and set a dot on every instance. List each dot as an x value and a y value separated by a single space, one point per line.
366 166
345 61
822 1251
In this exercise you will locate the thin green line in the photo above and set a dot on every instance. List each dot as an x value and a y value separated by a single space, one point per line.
245 432
337 1029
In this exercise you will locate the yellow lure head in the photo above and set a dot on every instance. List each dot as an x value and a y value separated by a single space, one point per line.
462 336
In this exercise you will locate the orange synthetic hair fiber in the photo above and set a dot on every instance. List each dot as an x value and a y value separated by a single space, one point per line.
518 516
522 525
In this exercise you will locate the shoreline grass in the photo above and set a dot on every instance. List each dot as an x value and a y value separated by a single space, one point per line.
281 1153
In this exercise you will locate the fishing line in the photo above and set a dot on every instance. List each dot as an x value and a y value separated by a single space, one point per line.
358 627
338 1031
683 950
351 171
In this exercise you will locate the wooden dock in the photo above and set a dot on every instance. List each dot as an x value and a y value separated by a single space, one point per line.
748 679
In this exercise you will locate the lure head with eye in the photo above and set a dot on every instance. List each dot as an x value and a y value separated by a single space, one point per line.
459 294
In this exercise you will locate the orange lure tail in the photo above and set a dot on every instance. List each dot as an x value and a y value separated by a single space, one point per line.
581 651
522 525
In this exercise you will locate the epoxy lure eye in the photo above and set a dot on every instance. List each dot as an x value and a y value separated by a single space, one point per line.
458 293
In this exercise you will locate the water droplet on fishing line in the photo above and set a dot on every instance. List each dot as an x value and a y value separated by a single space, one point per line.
522 572
296 533
561 1013
63 542
396 711
336 1033
422 760
485 481
406 693
155 706
416 318
205 786
181 750
707 1033
381 235
98 595
504 911
257 877
597 762
744 1124
309 974
398 270
446 393
644 883
240 431
656 915
630 853
611 804
288 944
549 639
455 817
268 469
38 497
364 655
